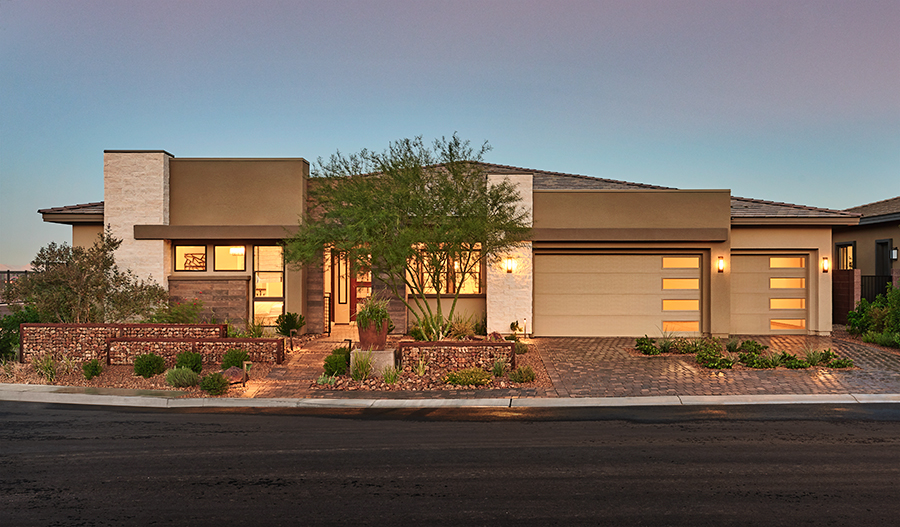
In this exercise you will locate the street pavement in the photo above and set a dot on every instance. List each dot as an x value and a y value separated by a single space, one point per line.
584 372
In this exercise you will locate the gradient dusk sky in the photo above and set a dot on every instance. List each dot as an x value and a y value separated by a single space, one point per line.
794 101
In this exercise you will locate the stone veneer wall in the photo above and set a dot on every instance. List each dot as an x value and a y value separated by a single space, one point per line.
226 300
124 350
448 356
83 342
136 192
510 295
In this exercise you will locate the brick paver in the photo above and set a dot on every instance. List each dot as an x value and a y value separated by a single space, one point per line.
604 367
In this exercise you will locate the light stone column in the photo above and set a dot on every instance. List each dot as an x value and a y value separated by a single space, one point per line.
510 296
136 192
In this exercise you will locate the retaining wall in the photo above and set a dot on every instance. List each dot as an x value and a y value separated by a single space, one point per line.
455 355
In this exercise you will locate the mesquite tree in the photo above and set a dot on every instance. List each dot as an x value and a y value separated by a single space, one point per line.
421 219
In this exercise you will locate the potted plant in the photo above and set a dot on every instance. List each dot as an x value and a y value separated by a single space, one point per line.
373 323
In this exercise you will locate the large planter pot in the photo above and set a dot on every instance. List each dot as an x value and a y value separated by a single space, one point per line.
373 337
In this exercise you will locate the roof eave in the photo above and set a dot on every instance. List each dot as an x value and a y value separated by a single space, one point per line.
68 218
793 222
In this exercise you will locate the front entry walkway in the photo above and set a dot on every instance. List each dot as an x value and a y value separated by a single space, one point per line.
604 367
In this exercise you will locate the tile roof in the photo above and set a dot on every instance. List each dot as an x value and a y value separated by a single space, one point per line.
879 208
84 208
757 208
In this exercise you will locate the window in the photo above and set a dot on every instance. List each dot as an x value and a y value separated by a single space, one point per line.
787 283
681 262
681 305
787 262
787 303
787 323
190 258
471 284
672 326
229 258
681 283
845 253
268 282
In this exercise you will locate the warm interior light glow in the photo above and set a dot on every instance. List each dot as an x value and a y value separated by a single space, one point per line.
510 265
721 264
825 264
236 251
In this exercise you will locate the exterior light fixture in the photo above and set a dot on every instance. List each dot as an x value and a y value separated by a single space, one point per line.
720 265
825 264
236 251
510 264
894 253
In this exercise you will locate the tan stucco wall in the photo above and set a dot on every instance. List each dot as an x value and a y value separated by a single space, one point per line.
85 235
136 191
865 237
465 307
813 241
630 209
237 191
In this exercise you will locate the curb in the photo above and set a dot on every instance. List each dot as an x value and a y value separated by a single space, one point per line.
169 400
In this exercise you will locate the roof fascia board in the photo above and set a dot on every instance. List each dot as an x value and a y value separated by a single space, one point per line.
213 232
841 221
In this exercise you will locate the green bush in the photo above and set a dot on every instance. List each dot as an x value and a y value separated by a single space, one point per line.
646 345
521 347
45 366
182 377
148 365
235 357
287 322
178 313
91 369
189 359
709 355
841 363
885 338
791 361
879 316
214 384
468 377
751 346
391 374
733 345
361 369
9 330
499 367
522 374
338 362
462 327
814 357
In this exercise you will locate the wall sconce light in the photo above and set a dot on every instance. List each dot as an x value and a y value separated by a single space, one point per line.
510 264
720 265
894 253
236 251
825 264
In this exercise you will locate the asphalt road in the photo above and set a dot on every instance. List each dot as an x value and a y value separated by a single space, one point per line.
760 465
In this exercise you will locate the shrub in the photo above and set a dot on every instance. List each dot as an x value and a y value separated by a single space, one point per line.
288 322
880 316
885 338
462 327
148 365
647 346
841 363
751 346
499 367
481 326
521 348
361 369
522 374
66 365
235 357
45 366
710 356
391 375
372 313
189 359
182 377
468 377
791 361
814 358
214 384
91 369
338 362
733 345
326 379
9 330
178 313
421 367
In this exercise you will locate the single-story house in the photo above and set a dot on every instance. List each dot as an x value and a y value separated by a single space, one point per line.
871 246
607 258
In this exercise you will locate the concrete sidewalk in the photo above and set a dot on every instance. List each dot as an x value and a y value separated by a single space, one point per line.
165 399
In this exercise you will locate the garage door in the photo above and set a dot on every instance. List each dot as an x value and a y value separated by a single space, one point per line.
769 294
616 294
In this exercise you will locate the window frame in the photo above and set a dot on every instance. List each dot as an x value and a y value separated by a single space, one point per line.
175 258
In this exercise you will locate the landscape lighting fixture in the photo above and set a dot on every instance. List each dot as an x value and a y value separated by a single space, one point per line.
720 265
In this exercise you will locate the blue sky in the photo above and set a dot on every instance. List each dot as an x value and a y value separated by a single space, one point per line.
783 100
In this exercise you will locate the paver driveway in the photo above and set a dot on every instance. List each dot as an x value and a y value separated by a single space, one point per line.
603 367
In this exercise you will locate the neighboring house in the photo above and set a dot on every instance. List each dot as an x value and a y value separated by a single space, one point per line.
607 258
871 246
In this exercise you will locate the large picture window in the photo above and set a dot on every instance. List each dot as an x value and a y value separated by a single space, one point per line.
268 283
471 284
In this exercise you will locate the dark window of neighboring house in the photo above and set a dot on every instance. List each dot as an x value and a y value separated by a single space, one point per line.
190 258
845 256
268 283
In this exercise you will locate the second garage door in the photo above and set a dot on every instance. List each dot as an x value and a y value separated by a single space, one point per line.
769 294
616 294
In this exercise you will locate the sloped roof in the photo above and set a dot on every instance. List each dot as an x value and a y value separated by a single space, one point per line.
878 208
83 208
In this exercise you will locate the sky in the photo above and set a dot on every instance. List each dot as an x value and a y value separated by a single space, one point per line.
784 100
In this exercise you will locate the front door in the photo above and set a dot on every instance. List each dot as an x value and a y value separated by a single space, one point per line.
882 257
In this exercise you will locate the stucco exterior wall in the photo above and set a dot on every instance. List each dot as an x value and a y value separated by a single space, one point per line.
85 235
136 191
510 295
813 241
